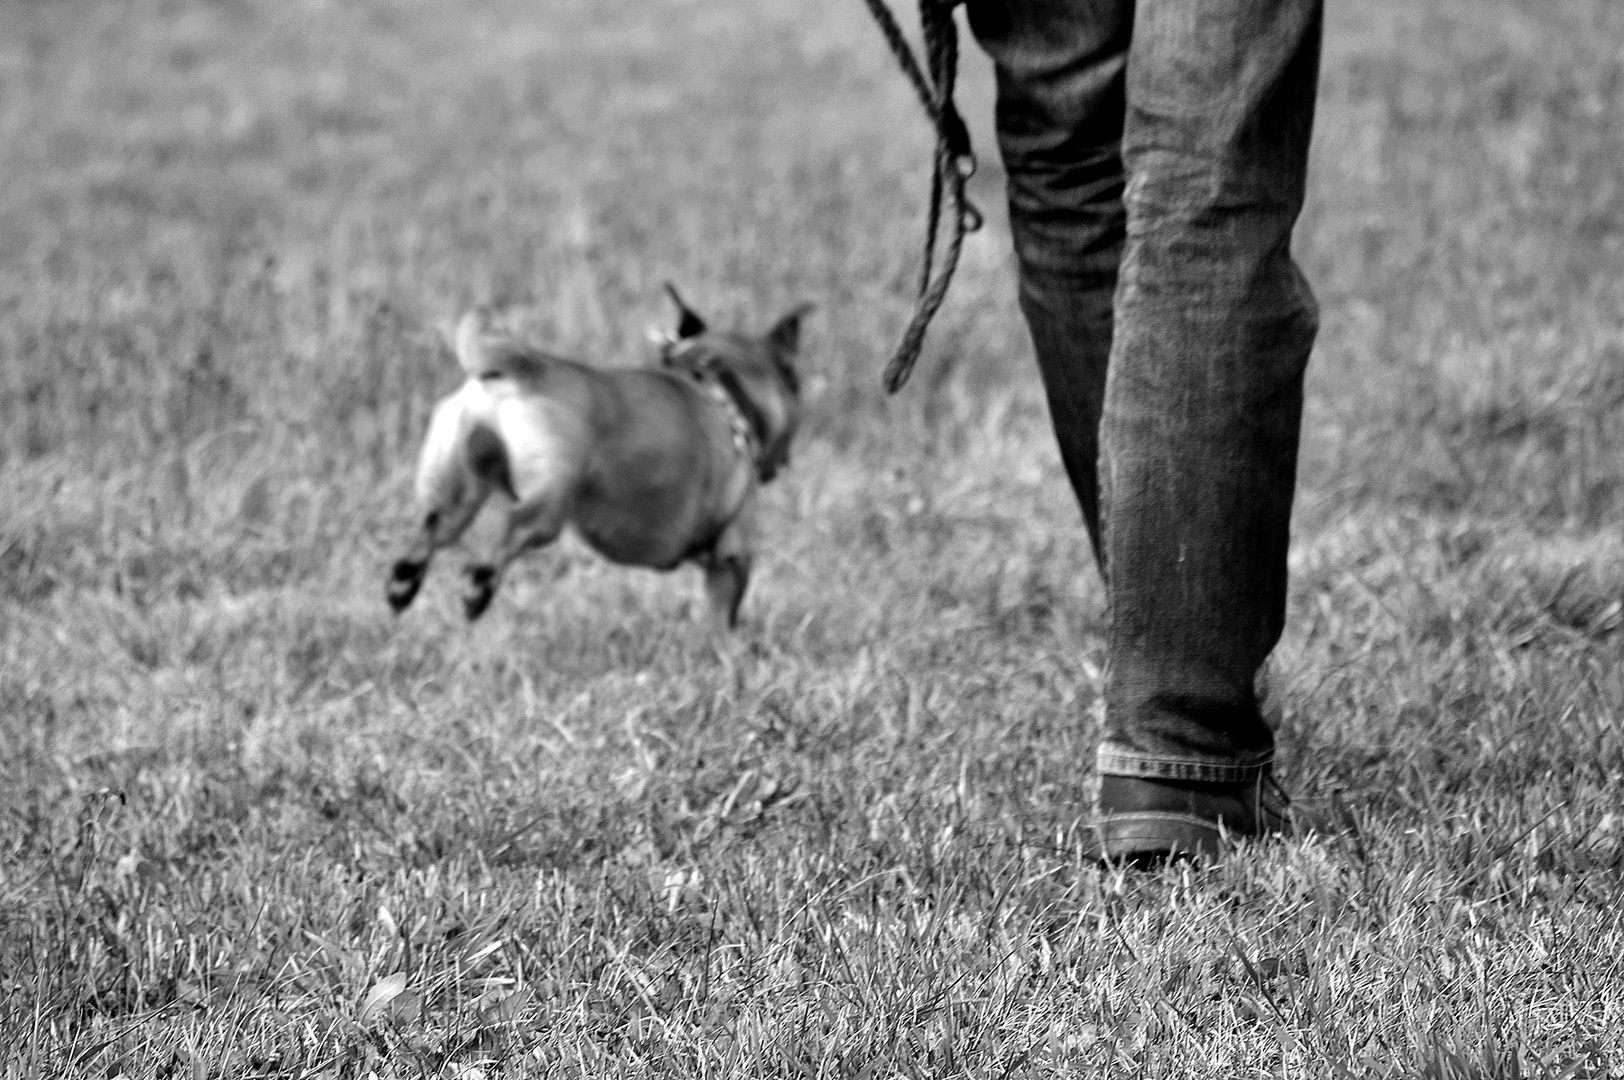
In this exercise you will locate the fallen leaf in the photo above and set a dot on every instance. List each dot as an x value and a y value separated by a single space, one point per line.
386 990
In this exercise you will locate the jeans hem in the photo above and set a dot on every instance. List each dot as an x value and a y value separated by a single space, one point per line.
1116 762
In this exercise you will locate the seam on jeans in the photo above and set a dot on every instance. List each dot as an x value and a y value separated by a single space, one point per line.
1156 767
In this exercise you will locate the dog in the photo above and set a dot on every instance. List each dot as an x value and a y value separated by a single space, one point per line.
654 467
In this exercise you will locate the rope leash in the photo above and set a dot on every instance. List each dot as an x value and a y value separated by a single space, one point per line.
955 164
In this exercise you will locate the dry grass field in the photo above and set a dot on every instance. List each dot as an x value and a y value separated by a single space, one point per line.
252 825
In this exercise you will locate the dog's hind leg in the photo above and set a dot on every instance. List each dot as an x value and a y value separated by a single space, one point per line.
530 525
441 526
452 484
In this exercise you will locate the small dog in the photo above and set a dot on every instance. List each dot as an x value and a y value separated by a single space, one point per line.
653 466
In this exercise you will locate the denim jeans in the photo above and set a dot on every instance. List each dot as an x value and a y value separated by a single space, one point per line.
1156 154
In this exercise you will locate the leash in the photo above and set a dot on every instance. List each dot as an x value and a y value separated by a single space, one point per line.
955 164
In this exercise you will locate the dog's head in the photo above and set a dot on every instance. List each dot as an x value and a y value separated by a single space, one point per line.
758 372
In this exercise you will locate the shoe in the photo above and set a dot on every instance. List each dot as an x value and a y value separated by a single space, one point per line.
1144 821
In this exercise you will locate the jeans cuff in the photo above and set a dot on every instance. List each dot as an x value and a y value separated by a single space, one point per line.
1114 761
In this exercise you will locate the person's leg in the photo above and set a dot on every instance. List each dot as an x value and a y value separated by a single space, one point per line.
1213 328
1060 66
1203 404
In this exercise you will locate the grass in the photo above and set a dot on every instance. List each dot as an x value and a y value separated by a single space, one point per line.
251 825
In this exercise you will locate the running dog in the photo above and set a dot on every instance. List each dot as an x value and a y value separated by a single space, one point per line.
652 466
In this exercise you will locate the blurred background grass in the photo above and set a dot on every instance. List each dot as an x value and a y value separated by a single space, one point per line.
228 235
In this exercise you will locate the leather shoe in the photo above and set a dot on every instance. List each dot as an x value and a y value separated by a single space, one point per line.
1144 821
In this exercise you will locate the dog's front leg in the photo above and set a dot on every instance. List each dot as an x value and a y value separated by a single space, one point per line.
727 567
531 524
725 581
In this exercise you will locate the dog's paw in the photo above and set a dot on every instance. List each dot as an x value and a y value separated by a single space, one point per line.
404 581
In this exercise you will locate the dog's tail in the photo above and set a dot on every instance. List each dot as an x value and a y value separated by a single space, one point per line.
472 341
486 351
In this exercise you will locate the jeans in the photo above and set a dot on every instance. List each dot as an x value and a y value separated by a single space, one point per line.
1156 154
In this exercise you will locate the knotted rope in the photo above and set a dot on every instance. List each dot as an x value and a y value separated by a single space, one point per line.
955 164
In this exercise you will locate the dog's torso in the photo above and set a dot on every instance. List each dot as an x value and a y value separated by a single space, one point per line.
645 459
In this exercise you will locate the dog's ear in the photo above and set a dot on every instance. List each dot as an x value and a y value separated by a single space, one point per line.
690 324
785 336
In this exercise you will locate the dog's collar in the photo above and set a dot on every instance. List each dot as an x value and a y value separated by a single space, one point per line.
744 416
740 412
